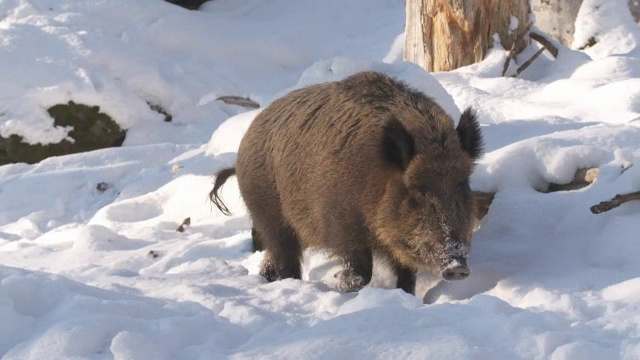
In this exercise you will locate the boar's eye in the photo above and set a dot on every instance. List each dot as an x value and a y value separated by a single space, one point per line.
423 187
423 192
425 199
415 202
418 198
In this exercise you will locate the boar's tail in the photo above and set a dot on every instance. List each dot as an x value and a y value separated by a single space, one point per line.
221 178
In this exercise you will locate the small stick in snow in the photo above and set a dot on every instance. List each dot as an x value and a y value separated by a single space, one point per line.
240 101
545 42
528 62
160 110
615 202
512 52
103 186
175 168
546 45
186 222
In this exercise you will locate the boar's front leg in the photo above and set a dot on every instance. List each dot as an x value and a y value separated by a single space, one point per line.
406 279
358 268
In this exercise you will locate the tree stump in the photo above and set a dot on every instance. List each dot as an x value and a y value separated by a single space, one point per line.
443 35
634 7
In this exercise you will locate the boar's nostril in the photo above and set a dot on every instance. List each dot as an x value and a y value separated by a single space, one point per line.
457 272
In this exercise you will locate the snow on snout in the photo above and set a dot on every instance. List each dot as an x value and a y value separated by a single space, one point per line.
456 249
454 264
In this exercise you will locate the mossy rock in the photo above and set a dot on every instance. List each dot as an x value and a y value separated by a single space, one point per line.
92 130
188 4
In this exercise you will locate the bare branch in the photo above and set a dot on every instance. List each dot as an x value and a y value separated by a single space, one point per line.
513 51
546 45
615 202
524 66
240 101
545 42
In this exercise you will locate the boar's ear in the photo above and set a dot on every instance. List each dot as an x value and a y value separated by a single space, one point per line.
469 134
397 143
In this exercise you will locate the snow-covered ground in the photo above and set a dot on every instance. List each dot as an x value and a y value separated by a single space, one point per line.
101 274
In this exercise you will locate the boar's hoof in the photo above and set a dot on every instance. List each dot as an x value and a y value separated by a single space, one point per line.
457 272
349 281
268 271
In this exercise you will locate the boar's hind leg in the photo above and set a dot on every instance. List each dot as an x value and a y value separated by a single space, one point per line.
406 279
357 271
282 252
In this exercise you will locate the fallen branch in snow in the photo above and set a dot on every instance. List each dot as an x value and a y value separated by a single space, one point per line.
615 202
546 45
513 52
185 223
160 110
544 41
528 62
240 101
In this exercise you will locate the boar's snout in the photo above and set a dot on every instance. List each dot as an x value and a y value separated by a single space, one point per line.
456 270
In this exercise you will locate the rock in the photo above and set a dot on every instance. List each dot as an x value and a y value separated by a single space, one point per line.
92 130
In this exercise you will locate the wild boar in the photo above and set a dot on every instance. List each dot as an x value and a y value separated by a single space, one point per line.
359 167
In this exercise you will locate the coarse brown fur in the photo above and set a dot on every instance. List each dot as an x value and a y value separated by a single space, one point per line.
358 167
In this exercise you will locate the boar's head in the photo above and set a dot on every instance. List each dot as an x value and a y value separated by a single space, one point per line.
425 218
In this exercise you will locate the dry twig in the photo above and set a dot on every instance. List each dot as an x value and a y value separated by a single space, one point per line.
545 42
512 51
615 202
524 66
186 222
546 45
240 101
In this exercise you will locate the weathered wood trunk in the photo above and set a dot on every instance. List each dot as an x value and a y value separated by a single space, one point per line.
443 35
557 18
634 6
